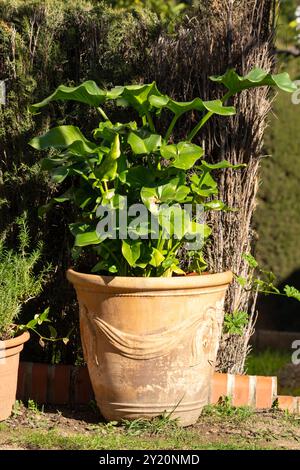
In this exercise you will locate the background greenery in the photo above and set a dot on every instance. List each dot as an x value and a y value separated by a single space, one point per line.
277 217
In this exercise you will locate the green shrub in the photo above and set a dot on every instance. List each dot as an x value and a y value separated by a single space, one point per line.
266 362
18 281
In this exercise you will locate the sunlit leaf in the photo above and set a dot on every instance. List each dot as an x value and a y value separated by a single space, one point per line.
131 250
255 78
182 155
88 93
65 137
140 145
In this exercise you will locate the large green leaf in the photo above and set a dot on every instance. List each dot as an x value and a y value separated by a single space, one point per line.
131 250
136 96
217 107
65 137
88 93
167 193
182 155
156 258
257 77
220 165
144 145
178 108
87 238
107 130
174 220
60 173
203 231
203 185
137 177
107 171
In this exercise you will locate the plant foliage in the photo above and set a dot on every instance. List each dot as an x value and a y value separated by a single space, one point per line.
136 162
18 281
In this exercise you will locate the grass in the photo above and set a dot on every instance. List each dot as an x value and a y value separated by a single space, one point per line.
220 427
267 362
225 409
118 439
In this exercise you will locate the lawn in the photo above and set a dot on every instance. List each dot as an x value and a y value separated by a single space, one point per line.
220 427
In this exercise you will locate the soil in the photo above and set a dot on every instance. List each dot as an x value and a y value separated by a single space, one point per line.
228 428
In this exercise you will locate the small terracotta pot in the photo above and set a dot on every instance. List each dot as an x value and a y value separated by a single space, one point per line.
9 365
151 343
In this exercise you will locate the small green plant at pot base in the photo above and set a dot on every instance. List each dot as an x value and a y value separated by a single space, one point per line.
137 163
155 426
19 284
224 408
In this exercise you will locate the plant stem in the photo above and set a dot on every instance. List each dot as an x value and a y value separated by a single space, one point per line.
171 127
205 118
200 124
226 96
103 114
150 122
111 254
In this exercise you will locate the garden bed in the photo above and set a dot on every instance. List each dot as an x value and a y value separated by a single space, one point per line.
220 427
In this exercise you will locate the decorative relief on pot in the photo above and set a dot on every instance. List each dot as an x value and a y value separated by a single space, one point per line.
206 337
200 328
148 346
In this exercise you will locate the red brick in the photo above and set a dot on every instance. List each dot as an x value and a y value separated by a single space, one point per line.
83 387
39 383
61 385
288 403
241 391
21 378
264 392
219 387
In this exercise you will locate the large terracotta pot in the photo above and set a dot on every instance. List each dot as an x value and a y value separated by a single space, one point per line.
9 365
151 343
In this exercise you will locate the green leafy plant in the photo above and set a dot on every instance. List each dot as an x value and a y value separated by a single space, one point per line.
264 282
155 426
235 322
224 408
136 162
19 283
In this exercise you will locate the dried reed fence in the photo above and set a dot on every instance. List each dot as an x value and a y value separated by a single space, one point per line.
222 34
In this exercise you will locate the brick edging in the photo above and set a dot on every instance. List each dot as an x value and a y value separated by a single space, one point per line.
54 384
64 384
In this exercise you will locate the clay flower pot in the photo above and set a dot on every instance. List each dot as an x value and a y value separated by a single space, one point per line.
9 365
151 343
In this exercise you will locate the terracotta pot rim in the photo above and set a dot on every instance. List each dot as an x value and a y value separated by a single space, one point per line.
150 283
17 341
